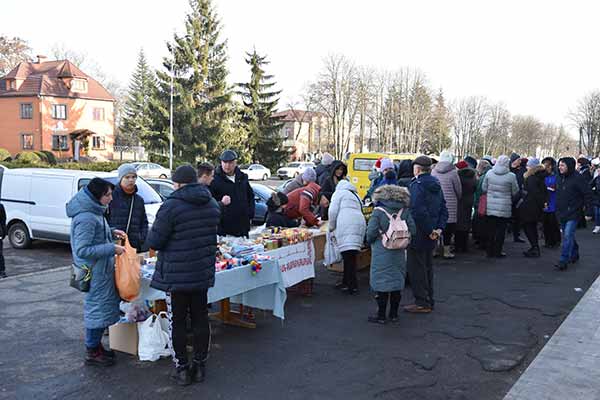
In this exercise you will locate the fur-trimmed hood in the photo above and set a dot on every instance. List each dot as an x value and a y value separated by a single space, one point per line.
535 170
392 193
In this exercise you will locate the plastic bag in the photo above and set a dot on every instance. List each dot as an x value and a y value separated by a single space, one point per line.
153 338
127 273
332 253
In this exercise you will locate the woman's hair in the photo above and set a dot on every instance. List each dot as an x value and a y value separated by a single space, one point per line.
98 187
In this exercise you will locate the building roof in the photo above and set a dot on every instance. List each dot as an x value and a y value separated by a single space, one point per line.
292 115
44 79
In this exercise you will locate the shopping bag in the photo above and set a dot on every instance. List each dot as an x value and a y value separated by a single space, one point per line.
153 342
127 273
482 207
332 253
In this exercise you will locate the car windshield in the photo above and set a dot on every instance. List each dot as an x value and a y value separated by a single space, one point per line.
262 191
294 165
244 166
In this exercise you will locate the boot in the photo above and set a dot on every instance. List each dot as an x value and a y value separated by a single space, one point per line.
534 252
448 254
182 376
95 357
107 352
198 371
561 266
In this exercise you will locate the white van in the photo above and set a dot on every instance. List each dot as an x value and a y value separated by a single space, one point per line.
35 200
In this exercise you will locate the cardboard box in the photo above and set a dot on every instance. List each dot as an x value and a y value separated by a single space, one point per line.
319 243
124 338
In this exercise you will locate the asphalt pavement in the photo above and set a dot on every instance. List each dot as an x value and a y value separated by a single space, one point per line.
492 317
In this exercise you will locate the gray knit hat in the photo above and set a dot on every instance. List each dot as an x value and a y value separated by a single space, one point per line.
327 159
309 175
126 169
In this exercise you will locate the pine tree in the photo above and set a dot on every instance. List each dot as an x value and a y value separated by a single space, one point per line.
202 100
439 128
137 121
260 102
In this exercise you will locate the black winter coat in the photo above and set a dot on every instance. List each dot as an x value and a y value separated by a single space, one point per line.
322 173
595 186
535 195
3 230
185 235
329 184
468 181
405 173
236 217
118 215
572 193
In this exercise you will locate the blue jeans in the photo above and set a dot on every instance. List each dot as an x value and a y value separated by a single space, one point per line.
93 337
570 248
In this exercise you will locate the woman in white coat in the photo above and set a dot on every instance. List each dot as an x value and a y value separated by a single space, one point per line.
348 226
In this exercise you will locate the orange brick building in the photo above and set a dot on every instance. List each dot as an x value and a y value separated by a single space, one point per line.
48 105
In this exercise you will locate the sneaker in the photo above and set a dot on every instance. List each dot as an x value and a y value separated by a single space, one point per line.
561 266
340 285
198 371
182 376
416 309
534 252
596 230
95 358
375 319
393 319
519 240
353 292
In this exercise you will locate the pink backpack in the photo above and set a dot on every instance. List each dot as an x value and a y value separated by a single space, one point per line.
397 236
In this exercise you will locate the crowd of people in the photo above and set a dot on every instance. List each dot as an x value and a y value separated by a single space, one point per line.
422 208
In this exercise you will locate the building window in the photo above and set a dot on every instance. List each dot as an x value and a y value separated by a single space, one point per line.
60 142
288 133
26 111
79 85
59 111
12 84
98 142
27 141
99 114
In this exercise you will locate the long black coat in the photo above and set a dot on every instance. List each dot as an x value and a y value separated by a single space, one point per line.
468 181
535 195
118 214
185 235
572 193
236 217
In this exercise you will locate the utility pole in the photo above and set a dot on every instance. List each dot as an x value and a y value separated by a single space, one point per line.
171 115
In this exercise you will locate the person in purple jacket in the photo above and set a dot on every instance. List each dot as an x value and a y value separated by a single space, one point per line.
550 221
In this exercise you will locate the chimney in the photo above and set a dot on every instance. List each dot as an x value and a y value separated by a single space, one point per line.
40 59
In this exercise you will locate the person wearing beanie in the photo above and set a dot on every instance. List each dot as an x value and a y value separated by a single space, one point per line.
309 175
387 176
489 159
185 235
550 220
447 175
323 169
302 201
531 207
339 171
462 164
518 168
471 161
232 184
464 214
127 211
276 216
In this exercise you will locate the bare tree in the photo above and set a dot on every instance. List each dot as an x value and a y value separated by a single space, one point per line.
587 119
470 117
495 139
12 52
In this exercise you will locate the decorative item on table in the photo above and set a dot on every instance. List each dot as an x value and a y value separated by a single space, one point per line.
256 267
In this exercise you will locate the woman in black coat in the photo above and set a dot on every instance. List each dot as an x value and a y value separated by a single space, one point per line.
531 207
468 181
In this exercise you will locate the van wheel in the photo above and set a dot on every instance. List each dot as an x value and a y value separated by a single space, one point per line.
18 236
265 177
163 176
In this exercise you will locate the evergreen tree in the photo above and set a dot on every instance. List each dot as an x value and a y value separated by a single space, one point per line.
137 121
202 100
439 126
260 102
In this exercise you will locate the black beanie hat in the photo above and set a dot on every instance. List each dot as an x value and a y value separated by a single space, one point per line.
185 174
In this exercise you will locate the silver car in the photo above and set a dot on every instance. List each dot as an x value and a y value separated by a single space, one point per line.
151 170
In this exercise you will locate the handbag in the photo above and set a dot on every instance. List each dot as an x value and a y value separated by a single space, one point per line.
81 278
482 207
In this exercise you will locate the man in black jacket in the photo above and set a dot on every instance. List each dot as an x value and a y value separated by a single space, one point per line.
572 194
185 236
230 181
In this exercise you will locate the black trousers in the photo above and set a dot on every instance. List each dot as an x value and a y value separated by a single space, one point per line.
461 241
420 274
516 224
349 278
497 230
448 233
382 301
481 230
551 229
179 305
531 231
2 264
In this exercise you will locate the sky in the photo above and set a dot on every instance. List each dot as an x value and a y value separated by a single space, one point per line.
537 57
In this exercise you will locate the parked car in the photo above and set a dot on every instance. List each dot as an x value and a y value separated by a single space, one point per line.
262 194
164 187
256 172
151 170
35 200
294 169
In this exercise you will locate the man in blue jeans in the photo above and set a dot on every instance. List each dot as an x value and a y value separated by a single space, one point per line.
572 194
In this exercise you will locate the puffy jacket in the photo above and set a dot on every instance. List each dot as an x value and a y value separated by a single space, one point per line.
447 174
346 219
118 215
92 245
300 202
468 181
236 217
535 195
572 193
185 235
501 187
550 182
428 209
294 184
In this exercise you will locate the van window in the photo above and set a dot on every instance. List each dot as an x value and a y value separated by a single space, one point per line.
363 164
149 195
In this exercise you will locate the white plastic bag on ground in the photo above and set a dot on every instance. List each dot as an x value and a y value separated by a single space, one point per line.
332 253
153 339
